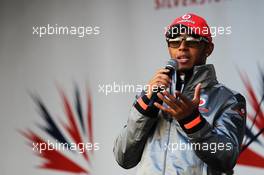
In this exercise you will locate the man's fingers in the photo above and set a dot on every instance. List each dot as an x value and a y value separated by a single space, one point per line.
170 102
167 110
164 82
163 76
183 98
173 103
163 70
197 91
173 99
160 106
164 99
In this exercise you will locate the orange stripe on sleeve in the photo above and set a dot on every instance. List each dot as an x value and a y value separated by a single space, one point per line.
193 123
142 104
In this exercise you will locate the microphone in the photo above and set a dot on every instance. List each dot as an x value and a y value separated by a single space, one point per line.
172 67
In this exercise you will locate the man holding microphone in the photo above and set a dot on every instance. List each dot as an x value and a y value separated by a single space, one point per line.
197 112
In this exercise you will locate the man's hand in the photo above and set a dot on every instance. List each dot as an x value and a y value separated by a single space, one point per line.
160 80
180 106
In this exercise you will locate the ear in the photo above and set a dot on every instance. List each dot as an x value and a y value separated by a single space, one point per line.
209 49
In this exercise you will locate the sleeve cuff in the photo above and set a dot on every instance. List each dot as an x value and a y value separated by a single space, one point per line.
142 105
192 123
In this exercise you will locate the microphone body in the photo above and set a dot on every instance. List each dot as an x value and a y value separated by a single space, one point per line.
172 67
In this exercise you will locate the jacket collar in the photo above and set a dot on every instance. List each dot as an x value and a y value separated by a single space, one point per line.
204 74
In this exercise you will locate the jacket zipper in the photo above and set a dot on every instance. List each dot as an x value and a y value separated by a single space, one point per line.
168 139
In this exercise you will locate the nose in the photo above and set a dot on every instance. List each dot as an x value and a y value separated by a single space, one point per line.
183 46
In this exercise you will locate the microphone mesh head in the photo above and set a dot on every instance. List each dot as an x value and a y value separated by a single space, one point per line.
172 64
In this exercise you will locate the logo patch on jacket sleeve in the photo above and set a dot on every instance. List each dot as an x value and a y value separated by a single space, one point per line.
240 107
240 110
202 104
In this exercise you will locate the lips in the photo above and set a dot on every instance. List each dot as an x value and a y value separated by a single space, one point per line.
183 59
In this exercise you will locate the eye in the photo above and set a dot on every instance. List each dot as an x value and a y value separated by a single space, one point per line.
174 44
